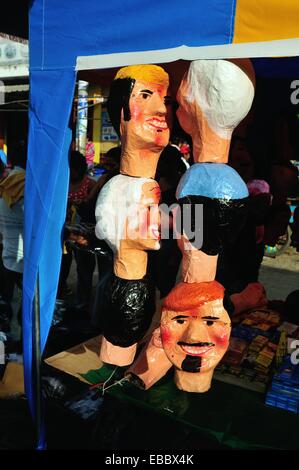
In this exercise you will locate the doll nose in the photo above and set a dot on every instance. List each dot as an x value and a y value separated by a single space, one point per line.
159 105
197 332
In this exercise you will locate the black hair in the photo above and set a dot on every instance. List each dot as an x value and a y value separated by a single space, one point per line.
291 307
114 154
78 163
170 165
17 156
119 97
234 140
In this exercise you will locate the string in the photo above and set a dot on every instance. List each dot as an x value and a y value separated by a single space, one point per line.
103 387
119 382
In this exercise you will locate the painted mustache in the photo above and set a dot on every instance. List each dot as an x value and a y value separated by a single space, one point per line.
200 344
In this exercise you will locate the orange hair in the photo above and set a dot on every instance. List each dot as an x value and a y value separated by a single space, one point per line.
185 296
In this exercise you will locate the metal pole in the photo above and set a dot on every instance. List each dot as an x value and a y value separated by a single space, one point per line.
82 115
36 363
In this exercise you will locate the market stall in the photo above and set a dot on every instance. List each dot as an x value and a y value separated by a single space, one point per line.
65 39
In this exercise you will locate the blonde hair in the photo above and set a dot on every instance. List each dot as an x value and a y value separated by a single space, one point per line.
145 72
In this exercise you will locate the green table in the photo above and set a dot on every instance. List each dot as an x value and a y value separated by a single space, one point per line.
232 416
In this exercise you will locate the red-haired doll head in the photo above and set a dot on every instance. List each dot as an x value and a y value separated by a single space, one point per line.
195 330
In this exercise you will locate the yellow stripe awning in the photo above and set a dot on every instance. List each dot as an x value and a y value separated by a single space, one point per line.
266 20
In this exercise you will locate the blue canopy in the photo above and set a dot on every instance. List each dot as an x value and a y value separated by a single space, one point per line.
85 34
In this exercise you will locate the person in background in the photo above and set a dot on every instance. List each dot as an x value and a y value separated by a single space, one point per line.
291 311
260 202
113 161
283 183
240 262
89 151
186 153
240 158
3 163
184 148
295 229
11 228
80 210
170 169
80 187
113 164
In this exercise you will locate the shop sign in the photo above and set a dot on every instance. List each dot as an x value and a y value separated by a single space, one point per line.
108 133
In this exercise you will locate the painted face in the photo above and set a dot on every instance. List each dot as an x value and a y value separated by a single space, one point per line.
196 340
150 109
143 226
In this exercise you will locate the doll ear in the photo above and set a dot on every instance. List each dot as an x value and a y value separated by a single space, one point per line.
156 338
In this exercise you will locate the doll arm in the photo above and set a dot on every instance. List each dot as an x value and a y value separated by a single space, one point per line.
151 364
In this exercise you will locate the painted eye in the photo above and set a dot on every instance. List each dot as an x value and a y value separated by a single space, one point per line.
145 96
210 322
180 321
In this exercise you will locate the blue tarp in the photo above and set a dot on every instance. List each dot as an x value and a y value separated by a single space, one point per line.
46 189
61 31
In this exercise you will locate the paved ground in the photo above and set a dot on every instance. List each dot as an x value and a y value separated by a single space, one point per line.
280 275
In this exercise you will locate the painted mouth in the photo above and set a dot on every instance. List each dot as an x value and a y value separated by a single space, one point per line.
157 192
156 233
193 350
159 125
